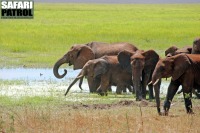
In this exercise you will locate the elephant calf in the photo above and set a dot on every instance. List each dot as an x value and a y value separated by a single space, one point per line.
108 69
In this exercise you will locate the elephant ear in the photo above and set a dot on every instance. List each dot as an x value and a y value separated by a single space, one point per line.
101 67
181 63
170 51
124 58
151 59
84 54
189 50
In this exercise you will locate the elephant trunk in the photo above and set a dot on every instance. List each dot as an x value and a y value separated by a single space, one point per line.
80 76
157 95
155 78
137 79
56 67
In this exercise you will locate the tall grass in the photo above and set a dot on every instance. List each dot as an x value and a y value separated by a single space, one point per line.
119 120
41 41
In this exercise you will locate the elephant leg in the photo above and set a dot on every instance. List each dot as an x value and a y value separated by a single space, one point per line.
133 89
188 102
197 91
198 94
119 89
104 85
109 89
145 81
187 98
172 89
151 95
138 93
80 83
129 88
124 90
93 83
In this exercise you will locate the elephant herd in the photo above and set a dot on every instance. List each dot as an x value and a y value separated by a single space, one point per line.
125 66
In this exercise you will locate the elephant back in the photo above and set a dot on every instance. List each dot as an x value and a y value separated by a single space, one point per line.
101 49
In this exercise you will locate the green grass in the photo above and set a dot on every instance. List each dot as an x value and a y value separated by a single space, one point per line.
39 42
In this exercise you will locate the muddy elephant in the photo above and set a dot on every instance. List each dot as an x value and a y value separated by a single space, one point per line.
185 71
78 55
173 50
196 46
142 65
108 69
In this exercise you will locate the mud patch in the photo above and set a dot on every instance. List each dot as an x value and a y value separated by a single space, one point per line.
124 103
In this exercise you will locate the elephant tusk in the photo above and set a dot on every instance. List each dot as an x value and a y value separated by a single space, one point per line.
79 77
156 82
150 83
141 78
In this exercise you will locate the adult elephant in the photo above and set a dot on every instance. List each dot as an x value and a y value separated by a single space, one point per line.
108 69
196 46
173 50
184 70
142 65
78 55
187 50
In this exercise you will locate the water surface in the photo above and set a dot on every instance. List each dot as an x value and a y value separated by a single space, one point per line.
34 74
42 82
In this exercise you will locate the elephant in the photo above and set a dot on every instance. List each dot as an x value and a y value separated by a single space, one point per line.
141 64
108 69
78 55
173 50
196 46
184 70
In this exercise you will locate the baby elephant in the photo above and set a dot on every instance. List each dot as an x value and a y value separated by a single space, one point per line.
108 69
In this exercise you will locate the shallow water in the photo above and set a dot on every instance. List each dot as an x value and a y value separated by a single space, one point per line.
42 82
34 74
36 82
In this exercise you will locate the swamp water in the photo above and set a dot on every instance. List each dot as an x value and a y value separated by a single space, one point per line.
18 82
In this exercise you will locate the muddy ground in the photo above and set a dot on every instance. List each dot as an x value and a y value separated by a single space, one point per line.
124 103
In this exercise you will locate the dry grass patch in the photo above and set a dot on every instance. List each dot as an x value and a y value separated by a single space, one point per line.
119 118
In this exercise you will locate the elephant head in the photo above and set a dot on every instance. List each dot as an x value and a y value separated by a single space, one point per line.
77 56
196 46
171 51
141 62
92 71
173 67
